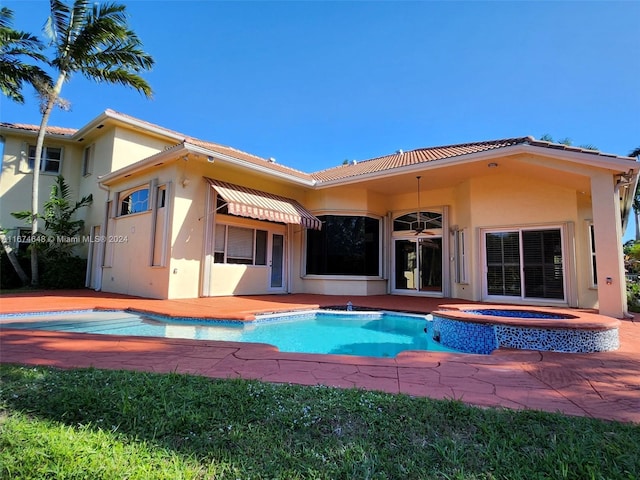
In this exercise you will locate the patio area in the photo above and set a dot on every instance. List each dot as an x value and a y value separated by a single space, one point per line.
602 385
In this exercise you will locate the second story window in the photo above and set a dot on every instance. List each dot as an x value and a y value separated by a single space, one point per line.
51 159
135 201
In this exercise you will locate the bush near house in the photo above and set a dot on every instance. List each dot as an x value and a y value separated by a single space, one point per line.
56 273
632 269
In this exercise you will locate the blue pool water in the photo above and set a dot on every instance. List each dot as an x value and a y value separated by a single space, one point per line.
367 334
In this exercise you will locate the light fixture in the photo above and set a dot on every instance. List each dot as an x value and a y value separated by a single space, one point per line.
420 226
210 159
492 165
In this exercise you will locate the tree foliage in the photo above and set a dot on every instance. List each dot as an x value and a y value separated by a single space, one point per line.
59 220
91 39
16 47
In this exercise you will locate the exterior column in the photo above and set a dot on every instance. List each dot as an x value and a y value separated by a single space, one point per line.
607 225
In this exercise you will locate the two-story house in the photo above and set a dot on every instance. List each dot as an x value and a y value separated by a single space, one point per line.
513 220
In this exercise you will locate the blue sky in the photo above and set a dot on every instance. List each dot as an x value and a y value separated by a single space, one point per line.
315 83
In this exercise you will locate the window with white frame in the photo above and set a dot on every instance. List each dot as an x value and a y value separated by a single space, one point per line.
346 245
592 249
87 160
240 245
134 201
51 160
526 263
461 258
160 227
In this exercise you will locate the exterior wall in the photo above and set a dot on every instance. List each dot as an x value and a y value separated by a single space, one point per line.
129 240
187 233
511 201
16 180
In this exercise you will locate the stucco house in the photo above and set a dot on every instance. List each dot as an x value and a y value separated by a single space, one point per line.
514 220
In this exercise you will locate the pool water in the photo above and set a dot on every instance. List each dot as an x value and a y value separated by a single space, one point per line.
366 334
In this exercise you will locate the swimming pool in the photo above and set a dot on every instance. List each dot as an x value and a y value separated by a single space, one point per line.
372 334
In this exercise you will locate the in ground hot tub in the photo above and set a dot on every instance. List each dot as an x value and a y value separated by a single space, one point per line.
482 329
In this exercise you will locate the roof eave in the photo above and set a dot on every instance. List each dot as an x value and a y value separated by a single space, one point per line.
34 133
115 116
141 165
252 166
595 160
186 148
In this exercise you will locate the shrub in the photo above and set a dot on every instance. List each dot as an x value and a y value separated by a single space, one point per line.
63 272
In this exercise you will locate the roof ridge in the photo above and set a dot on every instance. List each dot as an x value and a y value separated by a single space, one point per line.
508 141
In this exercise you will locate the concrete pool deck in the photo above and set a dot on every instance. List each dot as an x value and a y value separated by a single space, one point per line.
602 385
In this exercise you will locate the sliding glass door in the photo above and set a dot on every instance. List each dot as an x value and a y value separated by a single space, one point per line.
525 263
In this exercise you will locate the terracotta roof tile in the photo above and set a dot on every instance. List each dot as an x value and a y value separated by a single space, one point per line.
430 154
247 157
223 149
412 157
34 128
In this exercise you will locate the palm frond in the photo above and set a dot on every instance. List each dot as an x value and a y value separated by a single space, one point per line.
101 47
14 72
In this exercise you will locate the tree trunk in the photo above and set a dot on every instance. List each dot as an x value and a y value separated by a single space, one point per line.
52 99
637 217
13 259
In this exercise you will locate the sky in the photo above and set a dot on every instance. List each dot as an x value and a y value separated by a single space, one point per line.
314 83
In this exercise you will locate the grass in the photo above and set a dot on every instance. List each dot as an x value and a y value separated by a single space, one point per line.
100 424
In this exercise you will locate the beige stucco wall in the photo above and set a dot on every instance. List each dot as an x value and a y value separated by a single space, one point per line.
129 241
16 180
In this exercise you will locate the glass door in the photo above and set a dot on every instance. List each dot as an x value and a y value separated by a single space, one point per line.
277 262
525 264
418 265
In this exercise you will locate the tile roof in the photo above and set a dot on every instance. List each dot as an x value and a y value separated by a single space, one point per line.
247 157
34 128
219 148
430 154
379 164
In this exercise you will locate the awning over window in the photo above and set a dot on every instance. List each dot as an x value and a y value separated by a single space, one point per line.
246 202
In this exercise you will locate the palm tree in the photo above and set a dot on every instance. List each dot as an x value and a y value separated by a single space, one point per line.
14 46
95 41
14 73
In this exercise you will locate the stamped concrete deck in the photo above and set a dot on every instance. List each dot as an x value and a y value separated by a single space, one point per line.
601 385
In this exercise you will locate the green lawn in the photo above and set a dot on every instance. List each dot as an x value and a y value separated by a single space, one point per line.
99 424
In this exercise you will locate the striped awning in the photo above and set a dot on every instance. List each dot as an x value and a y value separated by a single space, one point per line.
247 202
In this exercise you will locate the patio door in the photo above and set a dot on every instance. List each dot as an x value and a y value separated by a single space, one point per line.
524 263
276 263
418 265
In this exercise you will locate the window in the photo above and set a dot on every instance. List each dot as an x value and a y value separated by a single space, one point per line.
239 245
346 245
413 221
160 227
134 202
51 159
525 263
87 161
462 260
592 245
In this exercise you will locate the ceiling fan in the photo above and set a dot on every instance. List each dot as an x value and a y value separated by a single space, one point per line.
419 225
